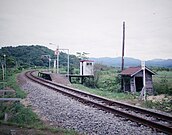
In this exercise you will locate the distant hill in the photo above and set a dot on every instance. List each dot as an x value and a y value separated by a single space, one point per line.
27 56
116 62
160 63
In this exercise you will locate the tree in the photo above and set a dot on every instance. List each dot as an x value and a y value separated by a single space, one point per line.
82 56
3 71
30 56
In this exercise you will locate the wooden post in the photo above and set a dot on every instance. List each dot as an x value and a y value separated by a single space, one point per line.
144 79
70 79
143 91
82 80
6 117
82 68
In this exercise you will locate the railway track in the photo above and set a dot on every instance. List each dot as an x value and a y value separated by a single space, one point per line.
142 116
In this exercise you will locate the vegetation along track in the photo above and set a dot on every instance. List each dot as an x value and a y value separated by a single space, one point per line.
143 116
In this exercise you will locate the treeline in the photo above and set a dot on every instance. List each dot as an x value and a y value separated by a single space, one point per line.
31 56
156 69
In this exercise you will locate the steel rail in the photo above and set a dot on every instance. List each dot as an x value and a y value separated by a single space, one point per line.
109 101
164 128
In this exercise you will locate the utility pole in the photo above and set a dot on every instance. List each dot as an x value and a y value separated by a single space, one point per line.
56 52
57 64
49 59
68 64
123 45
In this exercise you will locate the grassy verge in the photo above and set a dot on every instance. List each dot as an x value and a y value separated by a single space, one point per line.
6 127
11 82
21 116
165 106
104 93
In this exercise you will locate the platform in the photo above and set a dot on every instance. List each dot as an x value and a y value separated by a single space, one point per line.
54 77
63 79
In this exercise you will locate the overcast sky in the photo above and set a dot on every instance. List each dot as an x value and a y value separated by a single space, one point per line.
93 26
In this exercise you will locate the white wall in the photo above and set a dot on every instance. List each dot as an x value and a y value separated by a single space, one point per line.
88 68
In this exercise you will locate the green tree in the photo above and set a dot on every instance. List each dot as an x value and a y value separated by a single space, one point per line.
82 56
30 56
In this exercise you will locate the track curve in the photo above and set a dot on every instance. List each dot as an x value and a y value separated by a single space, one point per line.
159 121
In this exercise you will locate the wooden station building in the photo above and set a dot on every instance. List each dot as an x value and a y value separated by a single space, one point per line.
133 79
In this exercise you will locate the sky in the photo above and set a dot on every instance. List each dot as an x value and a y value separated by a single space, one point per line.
92 26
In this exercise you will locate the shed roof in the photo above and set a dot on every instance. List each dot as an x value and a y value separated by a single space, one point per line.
131 71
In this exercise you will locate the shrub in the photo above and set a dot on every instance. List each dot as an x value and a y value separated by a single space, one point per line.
89 82
164 106
110 84
162 87
18 114
22 115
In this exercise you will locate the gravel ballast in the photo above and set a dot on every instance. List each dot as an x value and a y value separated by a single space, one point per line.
63 111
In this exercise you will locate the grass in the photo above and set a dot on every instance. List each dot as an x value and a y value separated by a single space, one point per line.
107 94
165 106
24 117
5 128
11 82
107 90
163 74
18 114
162 82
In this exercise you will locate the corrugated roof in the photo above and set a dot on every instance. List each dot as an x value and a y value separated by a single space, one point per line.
134 70
130 71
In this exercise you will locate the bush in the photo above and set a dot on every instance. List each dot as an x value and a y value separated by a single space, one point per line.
23 115
89 82
163 106
162 87
18 114
110 84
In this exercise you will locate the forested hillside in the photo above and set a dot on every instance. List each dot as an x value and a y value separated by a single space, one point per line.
128 62
29 56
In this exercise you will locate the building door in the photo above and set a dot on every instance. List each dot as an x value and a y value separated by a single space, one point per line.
139 83
126 81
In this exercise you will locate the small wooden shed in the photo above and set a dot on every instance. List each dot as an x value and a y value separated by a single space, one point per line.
133 79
